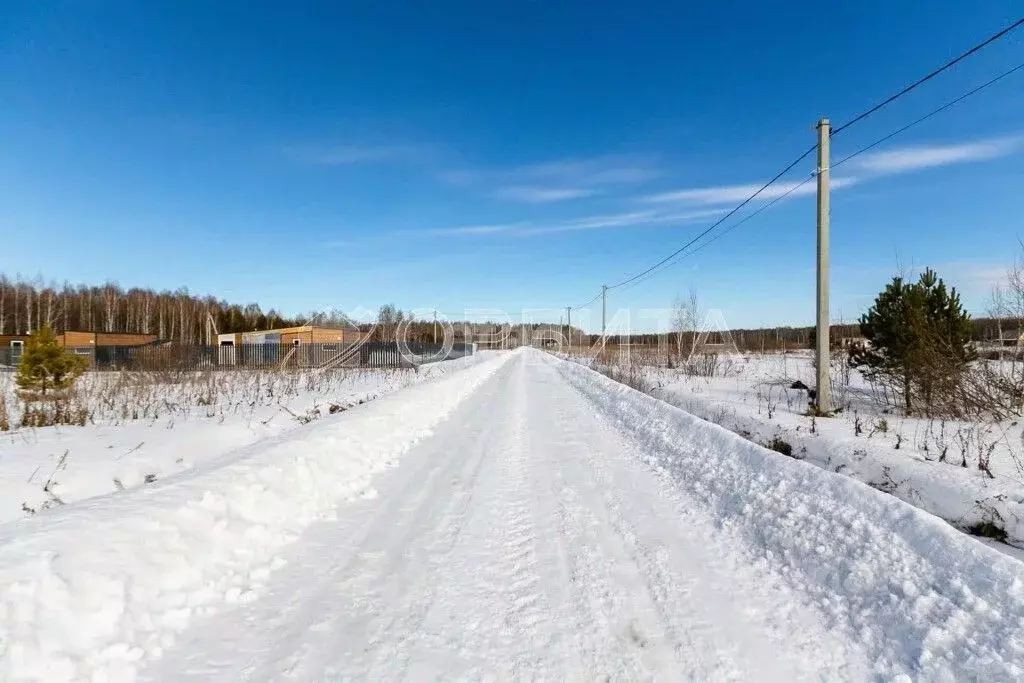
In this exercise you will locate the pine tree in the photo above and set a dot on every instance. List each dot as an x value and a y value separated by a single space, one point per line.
45 365
920 338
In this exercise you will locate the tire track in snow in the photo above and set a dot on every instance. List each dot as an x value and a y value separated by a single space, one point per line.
524 540
301 629
399 591
606 588
688 589
496 602
423 526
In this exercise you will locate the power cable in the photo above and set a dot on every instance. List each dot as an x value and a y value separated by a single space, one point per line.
927 116
721 220
732 227
645 274
860 151
892 98
885 138
576 308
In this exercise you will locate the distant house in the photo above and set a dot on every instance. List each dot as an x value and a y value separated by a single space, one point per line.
81 343
291 336
72 339
305 345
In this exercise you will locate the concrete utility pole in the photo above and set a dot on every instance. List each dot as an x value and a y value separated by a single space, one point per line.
568 316
435 325
821 341
604 309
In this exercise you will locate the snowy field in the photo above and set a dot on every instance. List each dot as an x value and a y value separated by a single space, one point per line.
519 518
145 427
930 463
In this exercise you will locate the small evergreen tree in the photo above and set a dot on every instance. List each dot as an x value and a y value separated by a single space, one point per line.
45 365
919 336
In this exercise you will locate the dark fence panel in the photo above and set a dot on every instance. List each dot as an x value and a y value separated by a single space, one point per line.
431 353
180 357
9 358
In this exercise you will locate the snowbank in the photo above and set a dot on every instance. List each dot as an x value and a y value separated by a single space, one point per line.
92 589
964 497
924 601
915 459
153 430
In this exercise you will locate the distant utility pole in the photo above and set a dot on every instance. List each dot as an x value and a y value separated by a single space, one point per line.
435 325
821 341
604 308
568 332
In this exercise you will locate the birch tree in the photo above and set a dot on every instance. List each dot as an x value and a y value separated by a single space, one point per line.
685 318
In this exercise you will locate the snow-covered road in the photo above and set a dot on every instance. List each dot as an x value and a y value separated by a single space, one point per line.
523 540
554 525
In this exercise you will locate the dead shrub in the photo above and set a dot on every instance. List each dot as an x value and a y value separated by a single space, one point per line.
779 445
62 411
988 530
703 365
630 374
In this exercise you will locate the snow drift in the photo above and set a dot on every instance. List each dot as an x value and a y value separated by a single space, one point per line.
93 589
922 599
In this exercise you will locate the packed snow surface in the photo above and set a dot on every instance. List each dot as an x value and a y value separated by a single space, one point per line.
523 518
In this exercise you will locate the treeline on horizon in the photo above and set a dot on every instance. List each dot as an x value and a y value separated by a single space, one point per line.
183 317
178 316
786 337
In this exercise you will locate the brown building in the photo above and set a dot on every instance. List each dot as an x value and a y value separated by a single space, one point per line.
84 339
291 336
81 343
302 346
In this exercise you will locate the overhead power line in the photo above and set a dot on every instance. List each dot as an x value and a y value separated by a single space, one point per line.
930 114
860 151
739 222
576 308
721 220
679 254
991 39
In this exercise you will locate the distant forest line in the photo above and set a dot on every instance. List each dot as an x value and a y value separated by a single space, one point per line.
183 317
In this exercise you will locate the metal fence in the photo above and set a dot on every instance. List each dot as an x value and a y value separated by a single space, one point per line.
9 357
180 357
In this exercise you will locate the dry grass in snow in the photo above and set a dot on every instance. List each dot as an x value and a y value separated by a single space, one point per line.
137 428
968 472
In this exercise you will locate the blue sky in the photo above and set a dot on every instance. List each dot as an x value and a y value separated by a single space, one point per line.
499 155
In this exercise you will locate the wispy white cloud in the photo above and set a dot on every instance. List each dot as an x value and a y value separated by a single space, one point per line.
623 175
724 194
463 177
542 195
481 229
631 219
624 220
864 167
733 194
581 174
974 277
916 157
344 155
608 170
614 220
